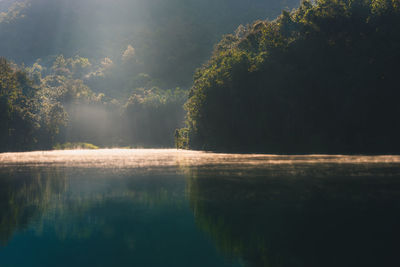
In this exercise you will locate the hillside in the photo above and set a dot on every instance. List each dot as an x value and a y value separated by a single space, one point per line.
178 33
107 72
320 79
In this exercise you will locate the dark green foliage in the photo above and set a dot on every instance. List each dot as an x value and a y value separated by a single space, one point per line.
320 79
18 122
42 107
33 116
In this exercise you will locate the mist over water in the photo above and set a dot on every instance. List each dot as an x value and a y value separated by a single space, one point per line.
133 158
167 207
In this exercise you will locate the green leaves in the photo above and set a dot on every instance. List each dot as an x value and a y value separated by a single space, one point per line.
296 83
17 105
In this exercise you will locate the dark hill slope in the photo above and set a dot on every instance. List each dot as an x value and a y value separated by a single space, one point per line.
321 79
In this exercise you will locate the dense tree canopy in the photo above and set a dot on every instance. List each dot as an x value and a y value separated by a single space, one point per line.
42 107
101 71
322 78
20 124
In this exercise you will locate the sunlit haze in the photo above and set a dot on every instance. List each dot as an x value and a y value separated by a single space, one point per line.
147 158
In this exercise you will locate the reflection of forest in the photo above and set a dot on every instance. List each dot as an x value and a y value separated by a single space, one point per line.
78 203
25 195
300 220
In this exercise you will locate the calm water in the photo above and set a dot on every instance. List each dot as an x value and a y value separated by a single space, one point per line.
184 208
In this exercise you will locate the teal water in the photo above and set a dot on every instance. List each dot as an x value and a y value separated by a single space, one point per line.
185 208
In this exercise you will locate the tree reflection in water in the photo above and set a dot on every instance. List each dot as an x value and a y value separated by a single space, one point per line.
303 216
25 195
262 212
78 204
105 217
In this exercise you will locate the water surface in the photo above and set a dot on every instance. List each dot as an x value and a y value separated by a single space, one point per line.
186 208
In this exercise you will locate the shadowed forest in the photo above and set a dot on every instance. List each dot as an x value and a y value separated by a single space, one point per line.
320 79
251 76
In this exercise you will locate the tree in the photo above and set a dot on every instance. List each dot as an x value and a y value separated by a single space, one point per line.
319 79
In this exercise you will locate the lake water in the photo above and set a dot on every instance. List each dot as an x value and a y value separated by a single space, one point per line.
185 208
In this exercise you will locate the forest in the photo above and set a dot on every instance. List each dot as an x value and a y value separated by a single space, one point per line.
109 73
321 77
